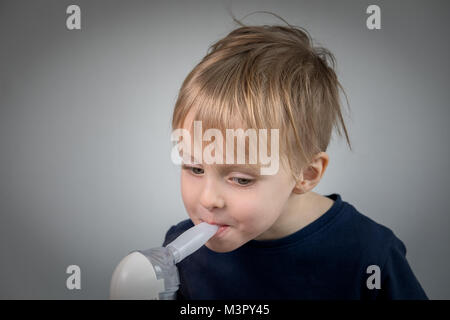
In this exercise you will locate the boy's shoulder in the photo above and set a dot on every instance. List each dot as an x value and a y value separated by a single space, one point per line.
376 245
366 236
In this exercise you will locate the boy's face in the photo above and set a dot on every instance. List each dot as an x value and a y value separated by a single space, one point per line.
249 203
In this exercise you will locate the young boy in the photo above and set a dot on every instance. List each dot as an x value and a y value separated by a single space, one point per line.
277 239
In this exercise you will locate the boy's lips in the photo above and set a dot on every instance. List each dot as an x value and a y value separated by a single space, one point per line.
215 223
221 230
222 227
219 224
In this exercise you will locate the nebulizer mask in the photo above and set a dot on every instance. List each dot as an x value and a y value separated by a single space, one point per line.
152 274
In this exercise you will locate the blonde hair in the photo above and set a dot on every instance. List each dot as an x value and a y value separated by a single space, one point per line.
267 77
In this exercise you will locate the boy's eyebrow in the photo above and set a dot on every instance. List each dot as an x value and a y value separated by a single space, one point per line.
252 168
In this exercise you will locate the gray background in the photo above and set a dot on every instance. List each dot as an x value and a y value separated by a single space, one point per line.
85 166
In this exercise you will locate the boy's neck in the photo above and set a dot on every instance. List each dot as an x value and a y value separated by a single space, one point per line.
300 210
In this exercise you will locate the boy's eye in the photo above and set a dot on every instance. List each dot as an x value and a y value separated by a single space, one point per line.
194 170
242 181
197 170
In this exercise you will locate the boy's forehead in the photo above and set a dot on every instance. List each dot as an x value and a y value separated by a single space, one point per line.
190 123
210 149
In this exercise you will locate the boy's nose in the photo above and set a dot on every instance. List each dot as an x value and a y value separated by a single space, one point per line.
210 197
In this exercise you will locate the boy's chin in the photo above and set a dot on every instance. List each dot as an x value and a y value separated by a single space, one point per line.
218 247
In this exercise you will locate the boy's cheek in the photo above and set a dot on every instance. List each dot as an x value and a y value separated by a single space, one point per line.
188 201
248 217
188 190
251 208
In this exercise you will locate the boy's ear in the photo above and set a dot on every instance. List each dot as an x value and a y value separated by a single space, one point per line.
311 174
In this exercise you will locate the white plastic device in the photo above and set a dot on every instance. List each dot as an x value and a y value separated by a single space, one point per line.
152 274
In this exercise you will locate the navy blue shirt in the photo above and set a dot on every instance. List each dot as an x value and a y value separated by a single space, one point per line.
327 259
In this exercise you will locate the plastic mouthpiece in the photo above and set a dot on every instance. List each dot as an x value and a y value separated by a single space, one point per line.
191 240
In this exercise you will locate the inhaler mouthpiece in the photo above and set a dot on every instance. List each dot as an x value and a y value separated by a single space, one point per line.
191 240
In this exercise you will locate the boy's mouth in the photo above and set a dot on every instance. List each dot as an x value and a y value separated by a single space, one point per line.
215 223
221 230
